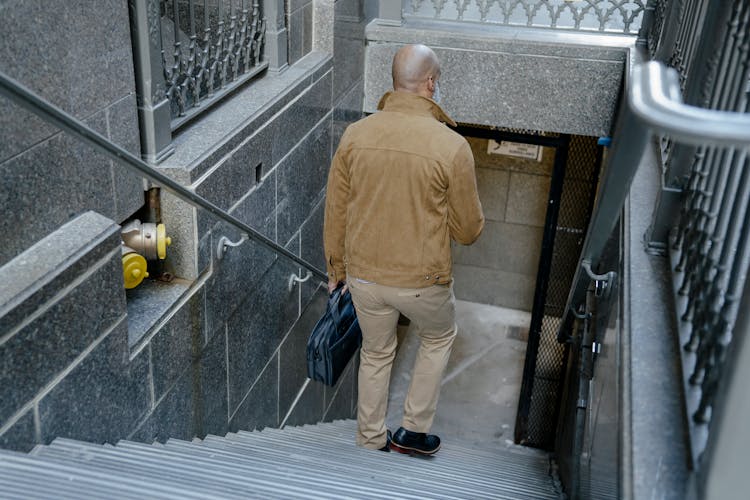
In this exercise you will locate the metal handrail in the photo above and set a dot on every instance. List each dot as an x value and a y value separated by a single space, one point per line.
655 97
56 116
653 105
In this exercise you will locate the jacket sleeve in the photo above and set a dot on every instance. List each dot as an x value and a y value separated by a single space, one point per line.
465 217
334 226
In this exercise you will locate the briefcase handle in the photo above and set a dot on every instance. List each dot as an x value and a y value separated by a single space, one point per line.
333 306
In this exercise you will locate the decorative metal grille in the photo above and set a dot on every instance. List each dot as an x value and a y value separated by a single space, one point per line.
711 246
620 16
188 55
684 27
206 46
660 8
541 389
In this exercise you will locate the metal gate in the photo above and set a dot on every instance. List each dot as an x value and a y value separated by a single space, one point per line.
570 202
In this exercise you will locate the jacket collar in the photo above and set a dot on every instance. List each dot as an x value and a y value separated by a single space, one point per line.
414 104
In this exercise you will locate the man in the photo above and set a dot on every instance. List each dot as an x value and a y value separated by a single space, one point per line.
401 186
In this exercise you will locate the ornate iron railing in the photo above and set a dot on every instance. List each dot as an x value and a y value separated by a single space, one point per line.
189 54
710 231
712 246
617 16
707 43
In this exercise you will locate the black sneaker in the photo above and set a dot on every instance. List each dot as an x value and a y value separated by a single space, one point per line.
388 439
415 442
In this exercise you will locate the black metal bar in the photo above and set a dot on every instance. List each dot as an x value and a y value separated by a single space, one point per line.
540 290
54 115
191 6
503 135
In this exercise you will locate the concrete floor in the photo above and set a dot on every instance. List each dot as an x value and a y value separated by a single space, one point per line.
481 385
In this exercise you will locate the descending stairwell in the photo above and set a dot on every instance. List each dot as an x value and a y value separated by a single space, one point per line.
314 461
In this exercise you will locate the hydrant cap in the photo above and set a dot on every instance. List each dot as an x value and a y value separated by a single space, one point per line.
133 269
162 240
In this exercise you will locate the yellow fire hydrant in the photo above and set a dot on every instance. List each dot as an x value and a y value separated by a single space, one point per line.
141 242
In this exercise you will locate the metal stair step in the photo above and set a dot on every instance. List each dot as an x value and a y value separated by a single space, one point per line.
387 473
467 457
191 469
67 472
311 461
414 465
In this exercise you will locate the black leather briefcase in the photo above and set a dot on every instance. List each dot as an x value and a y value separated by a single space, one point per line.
333 341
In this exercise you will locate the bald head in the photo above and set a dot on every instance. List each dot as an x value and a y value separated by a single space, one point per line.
415 69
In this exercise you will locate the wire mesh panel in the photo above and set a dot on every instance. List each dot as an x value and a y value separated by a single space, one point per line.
569 208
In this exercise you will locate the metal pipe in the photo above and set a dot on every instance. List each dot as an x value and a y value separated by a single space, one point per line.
176 22
192 17
711 358
153 204
728 95
54 115
710 281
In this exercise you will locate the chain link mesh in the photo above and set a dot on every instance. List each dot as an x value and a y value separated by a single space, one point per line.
575 209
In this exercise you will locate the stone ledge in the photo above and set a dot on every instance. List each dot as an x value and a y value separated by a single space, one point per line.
203 143
653 415
62 293
149 302
40 272
508 39
529 79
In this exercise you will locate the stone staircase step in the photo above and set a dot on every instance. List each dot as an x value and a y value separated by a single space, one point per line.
311 461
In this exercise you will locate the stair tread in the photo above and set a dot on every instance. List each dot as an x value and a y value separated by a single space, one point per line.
320 461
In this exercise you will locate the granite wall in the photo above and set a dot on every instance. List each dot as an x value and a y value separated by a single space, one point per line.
46 177
218 343
550 80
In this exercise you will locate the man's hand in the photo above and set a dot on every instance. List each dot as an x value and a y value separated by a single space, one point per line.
332 285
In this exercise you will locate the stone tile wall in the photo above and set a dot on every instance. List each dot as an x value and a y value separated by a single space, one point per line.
243 367
65 357
46 177
500 267
228 354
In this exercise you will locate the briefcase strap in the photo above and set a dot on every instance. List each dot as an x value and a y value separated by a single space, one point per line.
333 307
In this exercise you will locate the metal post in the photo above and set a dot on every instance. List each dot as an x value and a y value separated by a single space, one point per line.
723 470
668 35
153 105
389 13
276 35
523 419
701 77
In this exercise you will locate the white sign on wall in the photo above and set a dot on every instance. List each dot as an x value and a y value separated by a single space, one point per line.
517 149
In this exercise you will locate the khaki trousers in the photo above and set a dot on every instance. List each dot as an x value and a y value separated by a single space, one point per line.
432 312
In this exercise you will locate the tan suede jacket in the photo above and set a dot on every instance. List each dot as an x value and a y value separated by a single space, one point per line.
401 185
